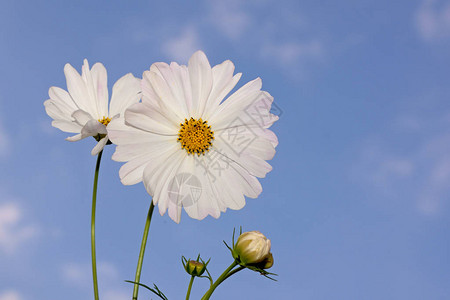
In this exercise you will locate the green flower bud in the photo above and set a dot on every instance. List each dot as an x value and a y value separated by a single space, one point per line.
252 248
195 268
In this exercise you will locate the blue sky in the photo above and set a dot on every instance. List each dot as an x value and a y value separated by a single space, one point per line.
357 204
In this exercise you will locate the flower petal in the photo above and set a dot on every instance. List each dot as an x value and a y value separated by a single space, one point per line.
75 138
121 134
175 87
59 95
81 117
143 117
162 161
78 90
200 75
126 91
99 79
93 128
223 83
164 98
236 104
100 145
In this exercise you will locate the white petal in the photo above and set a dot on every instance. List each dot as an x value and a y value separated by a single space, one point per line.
93 128
100 88
78 90
121 134
126 91
75 138
139 155
159 163
82 117
241 179
67 126
175 88
145 118
236 104
223 83
165 99
254 165
246 140
200 75
132 172
99 147
58 94
57 110
207 202
61 115
149 96
168 184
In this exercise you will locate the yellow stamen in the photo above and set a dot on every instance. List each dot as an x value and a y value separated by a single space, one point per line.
195 136
105 121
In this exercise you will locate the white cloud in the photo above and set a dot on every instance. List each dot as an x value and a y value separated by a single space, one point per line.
80 274
282 38
13 233
292 53
432 20
422 175
10 295
183 46
229 18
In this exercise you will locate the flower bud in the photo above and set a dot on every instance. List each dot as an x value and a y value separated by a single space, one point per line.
267 263
195 268
252 248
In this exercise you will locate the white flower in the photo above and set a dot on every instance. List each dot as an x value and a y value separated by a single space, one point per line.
190 148
84 109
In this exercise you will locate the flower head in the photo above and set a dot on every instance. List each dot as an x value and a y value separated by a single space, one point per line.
191 148
253 248
83 109
194 267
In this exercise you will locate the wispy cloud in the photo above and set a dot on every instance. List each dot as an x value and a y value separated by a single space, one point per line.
79 275
14 232
432 20
422 174
229 17
293 55
181 47
10 295
280 39
283 39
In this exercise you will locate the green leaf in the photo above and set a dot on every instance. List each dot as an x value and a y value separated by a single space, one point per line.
156 290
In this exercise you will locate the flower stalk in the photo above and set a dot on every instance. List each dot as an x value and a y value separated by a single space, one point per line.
94 203
142 251
188 294
221 279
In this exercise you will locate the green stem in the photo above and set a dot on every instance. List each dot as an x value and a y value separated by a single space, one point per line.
142 251
234 272
219 281
94 201
190 287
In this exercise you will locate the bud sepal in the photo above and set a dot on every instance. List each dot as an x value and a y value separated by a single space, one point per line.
195 267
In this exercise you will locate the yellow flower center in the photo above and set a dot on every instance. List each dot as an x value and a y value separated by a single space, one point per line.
105 121
195 136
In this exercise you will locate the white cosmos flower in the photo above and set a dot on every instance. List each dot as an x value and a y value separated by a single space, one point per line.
84 108
190 148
